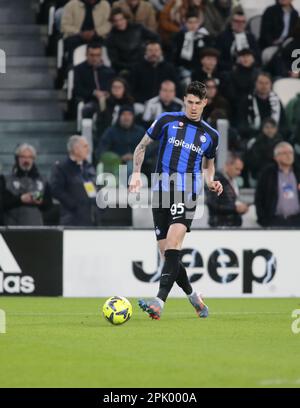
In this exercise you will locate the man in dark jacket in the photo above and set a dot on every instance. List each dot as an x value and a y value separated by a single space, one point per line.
123 137
73 185
226 210
278 22
27 193
235 38
277 197
240 82
208 66
92 80
125 42
260 149
261 104
148 75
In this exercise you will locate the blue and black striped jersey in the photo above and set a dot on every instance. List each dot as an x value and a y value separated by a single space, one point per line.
183 143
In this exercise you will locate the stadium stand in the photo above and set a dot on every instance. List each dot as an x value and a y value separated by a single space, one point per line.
30 108
253 8
36 91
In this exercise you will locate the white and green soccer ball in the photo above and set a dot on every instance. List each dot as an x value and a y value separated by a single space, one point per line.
117 310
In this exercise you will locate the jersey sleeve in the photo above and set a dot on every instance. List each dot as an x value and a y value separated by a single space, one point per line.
156 130
211 152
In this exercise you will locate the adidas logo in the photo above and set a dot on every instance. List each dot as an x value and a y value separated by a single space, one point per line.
13 283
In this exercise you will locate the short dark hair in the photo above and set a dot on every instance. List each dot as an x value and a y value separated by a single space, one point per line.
192 14
232 157
118 10
264 74
94 44
153 42
196 88
269 121
209 52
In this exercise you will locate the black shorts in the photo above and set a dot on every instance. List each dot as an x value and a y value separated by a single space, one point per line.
171 208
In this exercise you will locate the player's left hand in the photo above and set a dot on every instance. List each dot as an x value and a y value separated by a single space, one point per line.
216 187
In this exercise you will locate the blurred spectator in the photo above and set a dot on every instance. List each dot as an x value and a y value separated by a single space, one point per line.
241 80
277 24
226 210
122 138
118 96
84 21
139 11
148 74
166 101
208 67
277 196
295 140
261 104
125 42
293 117
214 100
73 185
235 38
217 15
293 114
173 16
29 193
188 43
92 80
281 64
261 149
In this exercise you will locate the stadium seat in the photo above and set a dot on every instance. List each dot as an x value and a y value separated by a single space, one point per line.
252 8
51 20
254 25
60 53
268 53
286 89
79 56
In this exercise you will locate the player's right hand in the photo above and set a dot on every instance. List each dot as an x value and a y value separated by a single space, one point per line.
135 183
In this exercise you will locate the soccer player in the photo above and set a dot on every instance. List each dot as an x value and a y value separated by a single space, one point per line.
187 146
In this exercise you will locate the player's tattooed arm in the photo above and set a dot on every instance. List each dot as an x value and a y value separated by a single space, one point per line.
139 153
138 158
208 167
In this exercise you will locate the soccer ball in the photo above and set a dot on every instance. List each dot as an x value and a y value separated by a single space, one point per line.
117 310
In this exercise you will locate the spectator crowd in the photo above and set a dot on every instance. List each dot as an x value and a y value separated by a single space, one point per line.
140 55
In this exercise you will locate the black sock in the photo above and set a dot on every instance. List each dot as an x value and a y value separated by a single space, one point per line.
169 273
183 280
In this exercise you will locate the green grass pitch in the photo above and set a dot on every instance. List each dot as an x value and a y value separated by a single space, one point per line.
56 342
